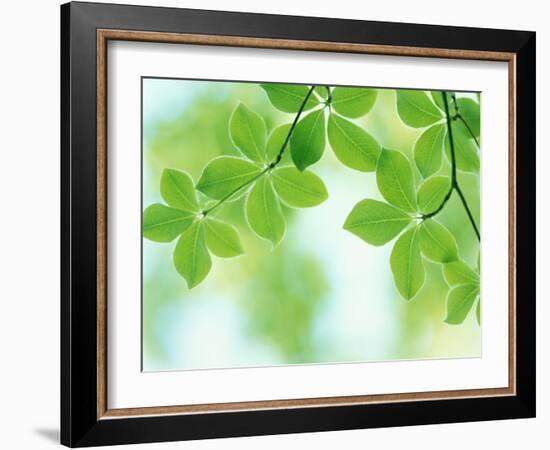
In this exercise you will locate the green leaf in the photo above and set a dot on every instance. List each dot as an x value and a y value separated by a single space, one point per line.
289 97
191 257
459 302
226 174
176 188
222 239
428 149
352 145
299 189
458 272
469 110
437 97
263 212
437 243
322 92
248 132
164 224
416 109
308 140
353 102
466 153
432 192
406 264
478 312
394 178
275 142
376 222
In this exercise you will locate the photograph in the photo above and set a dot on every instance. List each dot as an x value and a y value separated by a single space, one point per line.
308 224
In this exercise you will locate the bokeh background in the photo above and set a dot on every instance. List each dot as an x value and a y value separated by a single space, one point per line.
323 295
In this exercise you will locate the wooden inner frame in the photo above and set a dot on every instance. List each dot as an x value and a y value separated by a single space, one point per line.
103 36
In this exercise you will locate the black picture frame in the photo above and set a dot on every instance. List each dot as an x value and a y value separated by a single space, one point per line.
80 425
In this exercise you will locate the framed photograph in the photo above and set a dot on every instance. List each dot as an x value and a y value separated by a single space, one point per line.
276 224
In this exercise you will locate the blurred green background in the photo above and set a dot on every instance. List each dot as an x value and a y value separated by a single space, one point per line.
322 295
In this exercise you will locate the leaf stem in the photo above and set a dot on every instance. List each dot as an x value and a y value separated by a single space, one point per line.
295 121
454 180
461 118
270 166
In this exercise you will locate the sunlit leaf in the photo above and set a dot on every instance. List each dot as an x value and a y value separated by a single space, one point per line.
458 272
469 110
436 242
322 92
466 153
289 97
176 188
248 132
225 174
191 257
275 143
263 211
416 109
222 238
428 149
478 312
352 145
299 189
395 182
308 140
459 302
432 192
376 222
164 224
437 97
353 102
406 264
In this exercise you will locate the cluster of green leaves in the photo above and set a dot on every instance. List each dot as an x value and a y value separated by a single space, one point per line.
190 210
351 144
272 170
410 209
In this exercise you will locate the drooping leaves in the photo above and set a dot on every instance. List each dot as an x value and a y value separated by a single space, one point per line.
353 102
466 153
289 97
432 192
177 190
263 211
428 149
458 272
376 222
352 145
275 142
299 189
395 182
436 242
308 140
191 257
225 174
248 132
164 224
469 110
459 302
406 264
416 109
222 238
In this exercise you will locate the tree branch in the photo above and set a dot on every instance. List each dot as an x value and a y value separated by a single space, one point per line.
273 164
454 181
